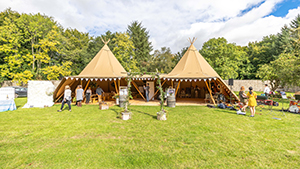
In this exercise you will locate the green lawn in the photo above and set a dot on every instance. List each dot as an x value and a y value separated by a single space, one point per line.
192 137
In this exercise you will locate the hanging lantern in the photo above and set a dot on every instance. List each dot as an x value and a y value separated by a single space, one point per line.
195 80
148 78
181 80
105 79
209 79
168 79
176 80
115 78
100 79
172 79
76 78
92 79
71 78
204 80
86 79
185 80
81 79
215 78
96 79
67 78
164 78
110 79
119 78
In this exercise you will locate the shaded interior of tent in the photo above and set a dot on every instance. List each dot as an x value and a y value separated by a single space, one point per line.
200 90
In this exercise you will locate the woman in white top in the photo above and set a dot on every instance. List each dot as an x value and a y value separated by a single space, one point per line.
67 98
79 95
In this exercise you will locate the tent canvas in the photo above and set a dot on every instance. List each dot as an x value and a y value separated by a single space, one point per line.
102 70
192 67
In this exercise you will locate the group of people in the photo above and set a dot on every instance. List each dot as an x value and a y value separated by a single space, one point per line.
248 99
79 95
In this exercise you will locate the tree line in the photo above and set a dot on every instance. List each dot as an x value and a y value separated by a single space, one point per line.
35 46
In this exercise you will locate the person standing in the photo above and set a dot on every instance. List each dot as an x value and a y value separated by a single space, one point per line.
147 88
252 101
267 90
88 94
99 93
243 98
67 98
79 96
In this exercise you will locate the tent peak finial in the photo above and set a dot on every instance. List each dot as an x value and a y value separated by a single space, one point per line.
192 40
104 41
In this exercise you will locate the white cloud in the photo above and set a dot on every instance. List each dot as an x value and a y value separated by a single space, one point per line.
169 23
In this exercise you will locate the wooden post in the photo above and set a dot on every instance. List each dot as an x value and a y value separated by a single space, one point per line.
64 92
210 93
172 83
86 85
116 87
119 81
137 89
158 90
177 88
228 90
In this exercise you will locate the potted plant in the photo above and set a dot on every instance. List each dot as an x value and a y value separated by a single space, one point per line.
126 114
162 114
116 97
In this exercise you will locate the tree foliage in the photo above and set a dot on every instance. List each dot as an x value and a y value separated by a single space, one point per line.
142 46
162 60
123 51
228 60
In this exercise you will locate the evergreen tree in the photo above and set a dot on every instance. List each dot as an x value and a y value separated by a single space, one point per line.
142 47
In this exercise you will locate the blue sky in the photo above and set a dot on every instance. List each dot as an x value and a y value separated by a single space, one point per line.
170 23
281 9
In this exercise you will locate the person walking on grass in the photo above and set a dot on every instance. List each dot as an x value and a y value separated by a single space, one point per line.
79 95
252 101
67 98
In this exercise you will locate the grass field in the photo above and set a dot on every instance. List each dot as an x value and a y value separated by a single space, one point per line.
192 137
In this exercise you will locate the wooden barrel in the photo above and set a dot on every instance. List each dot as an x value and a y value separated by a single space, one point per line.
171 101
122 100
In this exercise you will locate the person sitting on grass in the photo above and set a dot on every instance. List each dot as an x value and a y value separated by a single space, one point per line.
67 98
252 101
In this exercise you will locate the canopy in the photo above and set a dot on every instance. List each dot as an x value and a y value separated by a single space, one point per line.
104 64
193 66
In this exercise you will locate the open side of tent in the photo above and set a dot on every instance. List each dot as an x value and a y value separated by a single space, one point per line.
103 70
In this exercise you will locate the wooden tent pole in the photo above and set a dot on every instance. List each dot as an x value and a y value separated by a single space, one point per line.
158 90
137 89
86 85
119 81
116 87
226 88
172 84
210 93
177 88
64 92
